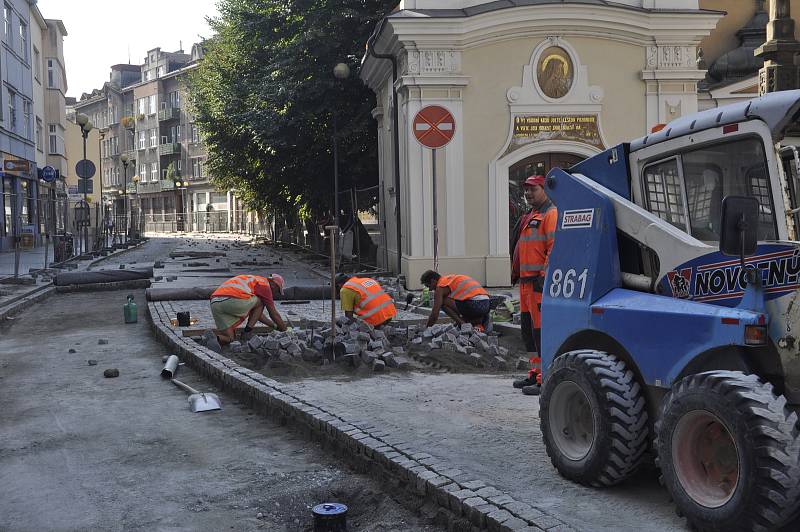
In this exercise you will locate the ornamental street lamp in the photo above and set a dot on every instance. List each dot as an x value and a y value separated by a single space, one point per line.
135 206
125 162
183 186
341 72
86 126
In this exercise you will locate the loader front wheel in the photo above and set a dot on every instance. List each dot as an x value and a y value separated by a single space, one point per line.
593 418
728 452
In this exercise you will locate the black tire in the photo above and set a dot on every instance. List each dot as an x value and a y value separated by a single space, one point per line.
616 412
734 443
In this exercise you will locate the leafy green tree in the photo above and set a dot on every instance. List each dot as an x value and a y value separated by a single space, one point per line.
265 99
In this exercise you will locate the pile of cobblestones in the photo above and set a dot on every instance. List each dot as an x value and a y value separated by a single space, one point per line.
357 343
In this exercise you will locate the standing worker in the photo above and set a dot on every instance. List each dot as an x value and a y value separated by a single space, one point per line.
536 236
365 298
461 297
244 297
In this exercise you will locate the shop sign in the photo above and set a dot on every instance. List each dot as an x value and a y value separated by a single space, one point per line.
16 165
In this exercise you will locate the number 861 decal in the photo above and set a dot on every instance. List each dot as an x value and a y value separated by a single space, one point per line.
568 284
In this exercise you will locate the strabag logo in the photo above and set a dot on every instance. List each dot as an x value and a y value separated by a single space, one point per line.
578 219
720 279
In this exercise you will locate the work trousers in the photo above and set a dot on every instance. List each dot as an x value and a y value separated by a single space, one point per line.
530 298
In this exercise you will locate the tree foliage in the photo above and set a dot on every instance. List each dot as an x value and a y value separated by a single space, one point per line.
265 99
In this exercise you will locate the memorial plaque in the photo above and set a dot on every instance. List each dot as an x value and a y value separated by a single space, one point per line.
575 128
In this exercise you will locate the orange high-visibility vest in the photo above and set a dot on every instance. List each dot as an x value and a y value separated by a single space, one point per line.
536 240
240 287
462 287
374 306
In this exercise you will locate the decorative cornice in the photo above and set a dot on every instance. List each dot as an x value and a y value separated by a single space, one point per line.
643 28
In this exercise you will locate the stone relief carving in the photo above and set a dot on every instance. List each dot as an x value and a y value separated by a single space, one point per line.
671 57
422 62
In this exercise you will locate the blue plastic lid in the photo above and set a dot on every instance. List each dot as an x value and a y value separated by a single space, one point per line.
330 508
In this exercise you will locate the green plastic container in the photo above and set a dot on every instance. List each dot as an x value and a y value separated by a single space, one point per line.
130 311
426 297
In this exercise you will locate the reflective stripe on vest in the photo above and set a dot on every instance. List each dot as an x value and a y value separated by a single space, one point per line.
375 306
532 245
462 287
240 287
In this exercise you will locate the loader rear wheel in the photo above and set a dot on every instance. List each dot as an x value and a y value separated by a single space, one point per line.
728 452
593 418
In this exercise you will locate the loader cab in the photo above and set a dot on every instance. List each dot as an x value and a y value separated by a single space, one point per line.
683 180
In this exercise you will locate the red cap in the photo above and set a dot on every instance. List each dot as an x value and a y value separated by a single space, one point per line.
534 180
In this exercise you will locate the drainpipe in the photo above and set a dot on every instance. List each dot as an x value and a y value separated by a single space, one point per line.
395 134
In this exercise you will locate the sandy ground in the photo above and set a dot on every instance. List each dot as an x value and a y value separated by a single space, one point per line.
83 452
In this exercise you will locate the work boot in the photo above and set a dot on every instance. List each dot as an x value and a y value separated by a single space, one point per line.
533 389
212 342
521 383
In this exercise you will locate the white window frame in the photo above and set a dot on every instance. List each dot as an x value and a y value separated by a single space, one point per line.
51 74
12 110
39 135
153 172
23 40
27 113
153 107
154 138
142 140
37 65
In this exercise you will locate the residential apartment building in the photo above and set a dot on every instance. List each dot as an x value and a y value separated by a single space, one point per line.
143 112
31 98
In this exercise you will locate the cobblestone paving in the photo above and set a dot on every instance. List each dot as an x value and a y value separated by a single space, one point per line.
483 426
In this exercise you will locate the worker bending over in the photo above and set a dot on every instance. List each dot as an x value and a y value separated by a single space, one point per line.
244 297
461 297
536 236
365 298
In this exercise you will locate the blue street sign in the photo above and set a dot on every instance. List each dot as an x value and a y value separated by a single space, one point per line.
85 169
49 174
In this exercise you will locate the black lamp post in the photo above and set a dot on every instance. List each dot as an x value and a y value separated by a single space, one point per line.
125 162
86 126
183 186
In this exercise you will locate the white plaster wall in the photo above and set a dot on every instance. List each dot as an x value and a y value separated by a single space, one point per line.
461 4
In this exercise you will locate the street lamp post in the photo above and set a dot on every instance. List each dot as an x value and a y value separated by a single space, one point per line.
135 207
341 72
125 162
183 187
86 127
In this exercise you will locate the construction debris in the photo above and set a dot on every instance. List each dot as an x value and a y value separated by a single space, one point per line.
358 343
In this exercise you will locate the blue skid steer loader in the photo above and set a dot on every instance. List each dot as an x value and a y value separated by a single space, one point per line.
671 315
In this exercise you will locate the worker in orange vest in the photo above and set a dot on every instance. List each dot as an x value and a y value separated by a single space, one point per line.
461 297
365 298
244 297
536 237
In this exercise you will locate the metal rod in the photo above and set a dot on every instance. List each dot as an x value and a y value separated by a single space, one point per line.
335 173
332 230
435 214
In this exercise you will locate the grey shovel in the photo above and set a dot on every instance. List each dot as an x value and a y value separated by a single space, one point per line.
199 401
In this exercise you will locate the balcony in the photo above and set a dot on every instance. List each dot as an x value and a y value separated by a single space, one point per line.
170 148
170 113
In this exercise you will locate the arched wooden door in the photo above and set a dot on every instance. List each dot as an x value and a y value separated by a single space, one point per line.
535 164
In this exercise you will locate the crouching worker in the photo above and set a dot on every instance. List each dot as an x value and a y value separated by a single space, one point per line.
244 297
461 297
363 297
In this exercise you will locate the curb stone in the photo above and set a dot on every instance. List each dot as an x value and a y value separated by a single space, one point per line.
370 450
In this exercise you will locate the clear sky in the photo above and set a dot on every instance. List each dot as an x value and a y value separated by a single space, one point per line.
102 31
